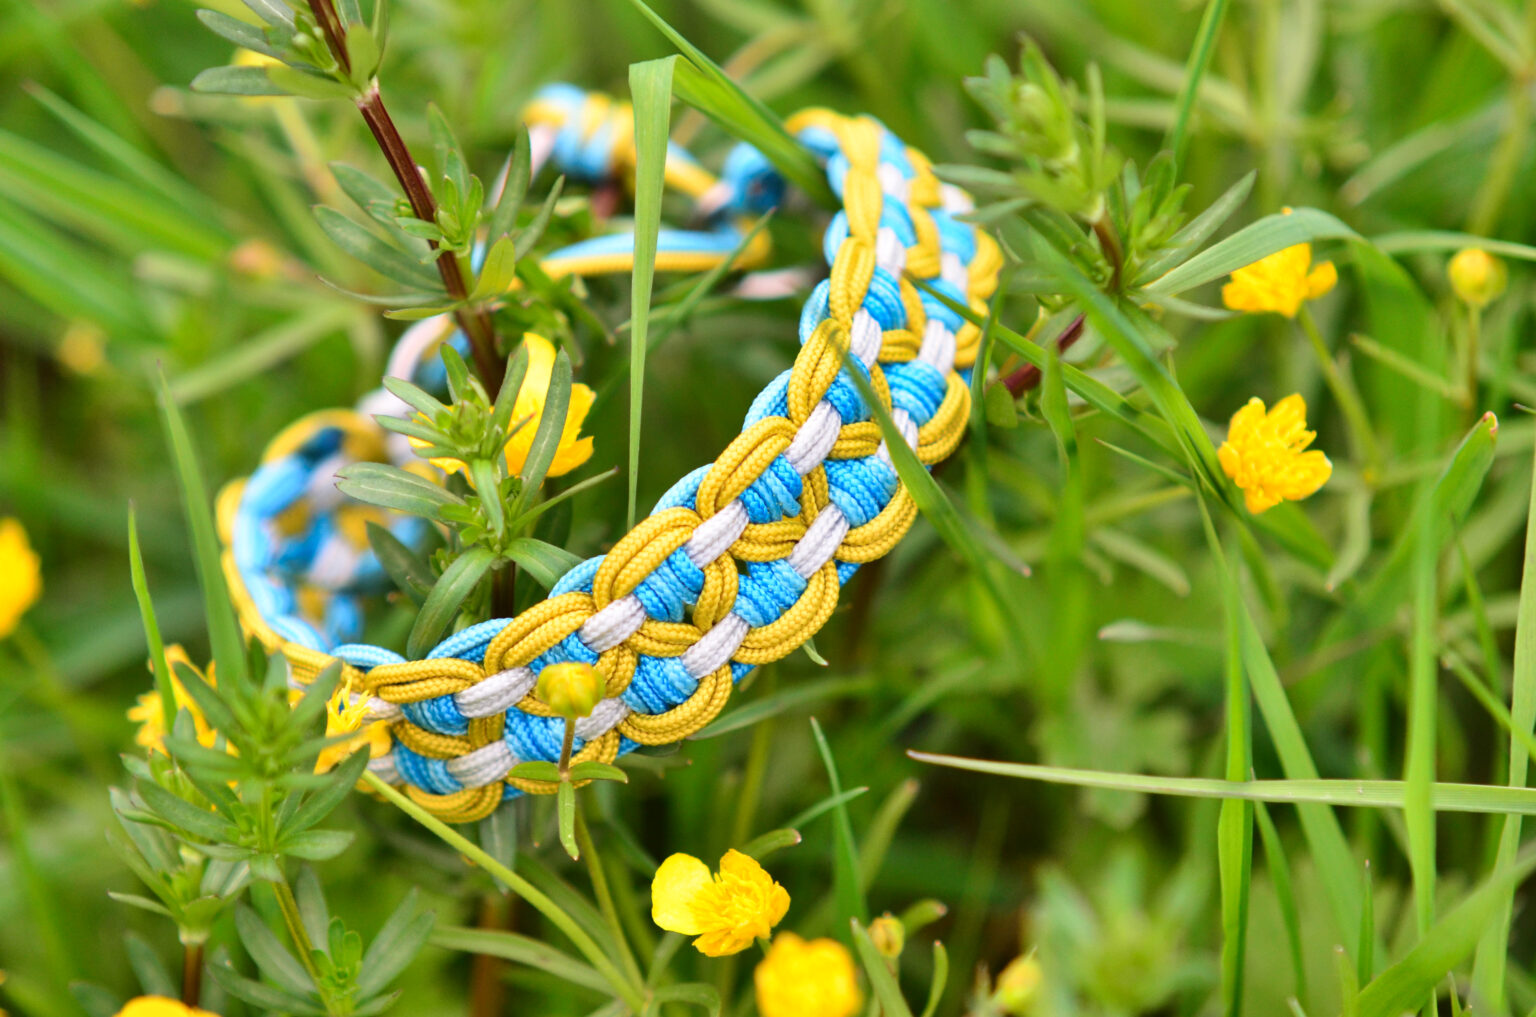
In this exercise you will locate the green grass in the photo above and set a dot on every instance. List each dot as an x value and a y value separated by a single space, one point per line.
1225 761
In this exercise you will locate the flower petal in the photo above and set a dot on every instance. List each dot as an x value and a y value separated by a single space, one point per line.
676 884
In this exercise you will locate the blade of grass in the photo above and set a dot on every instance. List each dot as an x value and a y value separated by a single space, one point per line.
1488 970
151 624
1369 794
1419 764
650 85
703 85
1199 59
884 984
1280 877
223 626
845 857
1251 243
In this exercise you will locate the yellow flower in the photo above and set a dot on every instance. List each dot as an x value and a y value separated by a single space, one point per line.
82 348
570 688
343 715
1263 454
727 912
151 719
21 575
1477 276
800 979
529 406
160 1006
1280 282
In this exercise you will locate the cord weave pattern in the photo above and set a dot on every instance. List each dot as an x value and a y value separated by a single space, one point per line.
740 563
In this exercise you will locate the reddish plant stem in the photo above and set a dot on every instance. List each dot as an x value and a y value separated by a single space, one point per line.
192 974
1028 376
476 322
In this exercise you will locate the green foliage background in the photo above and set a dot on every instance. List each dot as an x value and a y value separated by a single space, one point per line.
176 229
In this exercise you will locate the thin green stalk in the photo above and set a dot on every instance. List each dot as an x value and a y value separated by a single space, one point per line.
604 897
1505 164
290 908
1474 340
1359 424
1199 59
631 993
1419 767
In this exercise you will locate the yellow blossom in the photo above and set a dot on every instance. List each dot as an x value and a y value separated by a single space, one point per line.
570 688
807 979
149 716
1477 276
727 911
344 714
1280 282
21 575
1264 454
160 1006
529 406
82 348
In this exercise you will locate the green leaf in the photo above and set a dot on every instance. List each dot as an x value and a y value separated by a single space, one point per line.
650 85
1279 868
546 563
514 189
520 949
701 83
848 888
762 846
565 804
1428 241
498 272
887 991
319 804
309 86
219 614
697 994
258 353
241 33
783 701
151 626
536 769
593 770
396 945
407 570
1199 59
316 845
456 584
237 81
366 247
1199 229
391 487
1412 980
940 979
363 54
1250 244
546 440
275 962
185 816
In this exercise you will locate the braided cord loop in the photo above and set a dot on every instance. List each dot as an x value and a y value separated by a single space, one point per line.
741 562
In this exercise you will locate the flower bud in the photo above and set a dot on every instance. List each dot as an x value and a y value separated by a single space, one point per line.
571 689
888 935
1018 985
1477 276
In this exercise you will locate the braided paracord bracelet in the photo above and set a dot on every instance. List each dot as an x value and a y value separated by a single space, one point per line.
740 563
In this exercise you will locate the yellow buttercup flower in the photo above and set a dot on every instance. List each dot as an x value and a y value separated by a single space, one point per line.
21 575
147 714
1264 454
1018 985
727 912
1280 282
527 409
800 979
344 715
161 1006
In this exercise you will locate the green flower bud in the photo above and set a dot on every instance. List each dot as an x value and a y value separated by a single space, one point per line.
1018 985
1477 276
888 935
571 689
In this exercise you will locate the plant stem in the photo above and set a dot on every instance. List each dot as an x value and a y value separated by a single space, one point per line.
475 321
290 909
630 992
1474 341
1505 164
566 745
192 974
604 896
1109 243
1343 390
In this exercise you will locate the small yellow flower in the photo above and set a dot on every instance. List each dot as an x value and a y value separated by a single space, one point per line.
160 1006
82 348
800 979
344 715
21 575
1280 282
1477 276
151 719
529 406
1264 456
727 912
571 689
888 935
